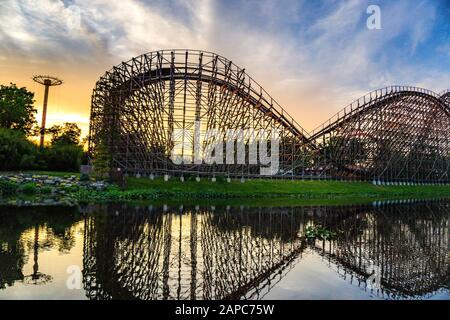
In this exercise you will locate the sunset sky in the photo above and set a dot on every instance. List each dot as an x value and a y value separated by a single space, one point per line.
313 57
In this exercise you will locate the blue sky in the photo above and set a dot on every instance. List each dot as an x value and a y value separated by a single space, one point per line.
314 57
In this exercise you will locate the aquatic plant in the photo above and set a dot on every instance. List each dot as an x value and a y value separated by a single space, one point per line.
321 233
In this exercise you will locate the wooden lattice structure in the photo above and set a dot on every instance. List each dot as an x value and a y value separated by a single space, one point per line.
392 135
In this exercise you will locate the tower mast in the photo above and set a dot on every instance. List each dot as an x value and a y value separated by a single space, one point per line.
48 82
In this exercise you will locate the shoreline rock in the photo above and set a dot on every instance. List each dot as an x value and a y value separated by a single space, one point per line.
44 184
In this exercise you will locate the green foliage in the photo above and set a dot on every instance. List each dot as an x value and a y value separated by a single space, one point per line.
45 190
16 152
17 121
64 153
320 233
63 157
61 174
263 188
7 188
28 188
101 162
67 134
16 109
72 189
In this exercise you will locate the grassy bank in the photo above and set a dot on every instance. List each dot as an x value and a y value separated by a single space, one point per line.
256 189
45 173
259 189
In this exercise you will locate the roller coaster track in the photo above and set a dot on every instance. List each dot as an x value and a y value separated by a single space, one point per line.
374 100
445 97
397 133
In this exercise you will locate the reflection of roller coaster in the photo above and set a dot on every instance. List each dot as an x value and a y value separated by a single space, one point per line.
186 254
396 134
232 253
407 244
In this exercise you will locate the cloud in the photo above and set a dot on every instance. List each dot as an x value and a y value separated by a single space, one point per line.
313 57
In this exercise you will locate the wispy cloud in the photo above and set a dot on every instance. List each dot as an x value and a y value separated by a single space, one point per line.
314 57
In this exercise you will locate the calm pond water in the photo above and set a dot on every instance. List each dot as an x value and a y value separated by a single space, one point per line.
123 251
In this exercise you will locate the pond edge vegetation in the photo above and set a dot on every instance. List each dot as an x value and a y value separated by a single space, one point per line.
261 189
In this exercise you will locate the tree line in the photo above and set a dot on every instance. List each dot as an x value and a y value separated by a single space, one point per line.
18 126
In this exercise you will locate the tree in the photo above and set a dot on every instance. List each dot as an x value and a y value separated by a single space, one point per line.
68 134
16 152
16 109
64 157
101 162
65 152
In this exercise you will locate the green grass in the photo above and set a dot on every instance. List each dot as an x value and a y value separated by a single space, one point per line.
44 173
281 188
260 191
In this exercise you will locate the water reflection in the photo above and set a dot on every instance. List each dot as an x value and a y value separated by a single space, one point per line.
408 244
27 232
230 253
224 252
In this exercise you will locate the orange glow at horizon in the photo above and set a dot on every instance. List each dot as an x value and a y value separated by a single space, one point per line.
71 101
312 59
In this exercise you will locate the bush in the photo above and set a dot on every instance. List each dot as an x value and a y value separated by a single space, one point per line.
7 188
28 188
72 189
16 152
62 157
45 190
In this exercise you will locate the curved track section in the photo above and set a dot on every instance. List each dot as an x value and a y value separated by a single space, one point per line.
155 113
445 96
155 106
396 134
